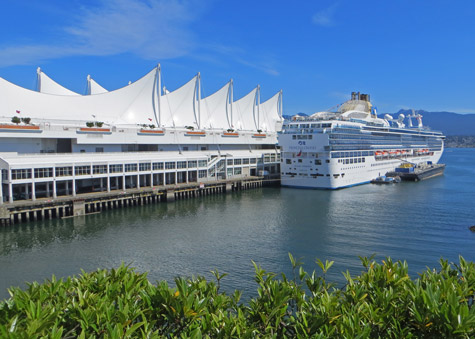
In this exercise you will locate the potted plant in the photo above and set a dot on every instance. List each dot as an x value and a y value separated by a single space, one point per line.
26 121
230 130
191 128
90 124
152 126
16 120
99 123
259 131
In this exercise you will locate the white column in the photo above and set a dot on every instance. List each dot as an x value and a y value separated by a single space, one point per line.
10 190
1 188
55 194
138 180
74 186
108 179
123 182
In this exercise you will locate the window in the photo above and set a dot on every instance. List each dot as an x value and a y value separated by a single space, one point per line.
43 172
157 166
294 137
144 166
245 161
21 174
253 160
237 161
300 160
230 162
318 162
170 165
82 170
99 169
181 164
202 173
115 168
4 174
131 167
99 149
64 171
230 172
237 170
288 161
202 163
192 164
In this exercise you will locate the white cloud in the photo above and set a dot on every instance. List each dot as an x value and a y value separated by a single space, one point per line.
325 17
151 29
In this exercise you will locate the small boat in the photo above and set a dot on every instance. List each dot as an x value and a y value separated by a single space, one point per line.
386 180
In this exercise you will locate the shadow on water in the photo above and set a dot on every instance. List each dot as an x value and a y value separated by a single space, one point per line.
417 222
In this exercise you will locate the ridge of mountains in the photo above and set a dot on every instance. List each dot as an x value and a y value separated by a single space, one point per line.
448 123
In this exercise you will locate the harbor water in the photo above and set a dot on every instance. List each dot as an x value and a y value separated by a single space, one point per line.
417 222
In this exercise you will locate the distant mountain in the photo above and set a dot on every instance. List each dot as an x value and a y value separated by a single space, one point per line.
447 122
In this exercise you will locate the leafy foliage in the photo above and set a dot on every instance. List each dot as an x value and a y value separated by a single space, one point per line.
381 302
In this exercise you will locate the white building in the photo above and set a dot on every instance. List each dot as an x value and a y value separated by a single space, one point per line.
134 128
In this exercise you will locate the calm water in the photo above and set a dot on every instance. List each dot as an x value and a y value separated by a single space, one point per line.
417 222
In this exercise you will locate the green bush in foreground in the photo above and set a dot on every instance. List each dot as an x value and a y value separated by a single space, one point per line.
382 302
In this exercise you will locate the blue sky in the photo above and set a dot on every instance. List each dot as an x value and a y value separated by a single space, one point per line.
405 53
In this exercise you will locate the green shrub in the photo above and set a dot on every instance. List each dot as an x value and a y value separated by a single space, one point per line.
381 302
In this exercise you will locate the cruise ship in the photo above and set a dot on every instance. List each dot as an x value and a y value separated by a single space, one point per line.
352 146
55 142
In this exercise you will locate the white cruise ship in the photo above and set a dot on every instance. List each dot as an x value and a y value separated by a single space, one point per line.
331 150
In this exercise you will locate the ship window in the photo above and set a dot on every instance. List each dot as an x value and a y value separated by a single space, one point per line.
202 163
327 161
192 164
363 159
294 137
310 136
351 161
318 162
288 161
300 160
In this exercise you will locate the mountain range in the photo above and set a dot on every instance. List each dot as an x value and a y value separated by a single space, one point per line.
448 123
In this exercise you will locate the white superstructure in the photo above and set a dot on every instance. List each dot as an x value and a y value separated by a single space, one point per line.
200 138
352 146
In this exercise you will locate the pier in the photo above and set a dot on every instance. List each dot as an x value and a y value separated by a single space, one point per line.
96 202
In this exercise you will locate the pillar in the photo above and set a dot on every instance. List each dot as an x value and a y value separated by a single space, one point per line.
123 182
74 187
55 194
151 179
1 191
138 180
33 191
47 190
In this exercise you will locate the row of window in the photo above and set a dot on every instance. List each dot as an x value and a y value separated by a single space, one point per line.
325 125
351 161
302 137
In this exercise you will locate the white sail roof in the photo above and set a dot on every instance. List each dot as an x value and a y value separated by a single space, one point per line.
93 87
133 104
215 109
179 108
245 111
49 86
269 113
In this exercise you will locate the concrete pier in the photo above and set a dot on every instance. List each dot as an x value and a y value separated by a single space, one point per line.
84 204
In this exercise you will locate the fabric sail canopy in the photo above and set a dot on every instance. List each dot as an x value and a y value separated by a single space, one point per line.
132 104
269 113
245 110
215 109
49 86
94 88
179 108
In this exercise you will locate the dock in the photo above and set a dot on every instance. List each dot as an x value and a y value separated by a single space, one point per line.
96 202
418 173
